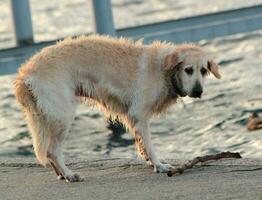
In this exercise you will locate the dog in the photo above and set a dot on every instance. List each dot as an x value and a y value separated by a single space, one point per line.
127 80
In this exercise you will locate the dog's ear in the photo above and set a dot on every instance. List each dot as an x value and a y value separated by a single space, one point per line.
213 68
171 61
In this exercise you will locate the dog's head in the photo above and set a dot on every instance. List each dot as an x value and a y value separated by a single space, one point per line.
189 66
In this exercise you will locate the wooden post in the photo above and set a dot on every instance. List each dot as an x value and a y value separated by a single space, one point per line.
103 17
22 24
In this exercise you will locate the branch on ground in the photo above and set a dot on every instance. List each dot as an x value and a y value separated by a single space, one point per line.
191 163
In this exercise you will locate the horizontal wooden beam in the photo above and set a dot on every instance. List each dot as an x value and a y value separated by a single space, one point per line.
195 21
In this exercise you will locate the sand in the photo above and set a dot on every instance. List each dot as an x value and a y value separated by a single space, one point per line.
132 179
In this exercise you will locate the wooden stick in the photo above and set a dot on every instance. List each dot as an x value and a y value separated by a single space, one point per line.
191 163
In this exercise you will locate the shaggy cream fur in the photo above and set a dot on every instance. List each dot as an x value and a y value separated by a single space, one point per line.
126 79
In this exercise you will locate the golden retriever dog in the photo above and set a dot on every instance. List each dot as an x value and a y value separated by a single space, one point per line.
127 80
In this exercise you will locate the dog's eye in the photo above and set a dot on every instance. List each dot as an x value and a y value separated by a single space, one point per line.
189 70
203 71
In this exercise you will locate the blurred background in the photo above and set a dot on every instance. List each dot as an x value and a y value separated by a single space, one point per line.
229 30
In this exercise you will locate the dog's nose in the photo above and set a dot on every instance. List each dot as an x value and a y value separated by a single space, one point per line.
197 91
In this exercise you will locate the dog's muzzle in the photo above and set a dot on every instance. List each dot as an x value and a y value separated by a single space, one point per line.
197 91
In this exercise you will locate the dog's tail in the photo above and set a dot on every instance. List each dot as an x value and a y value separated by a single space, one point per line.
36 120
23 93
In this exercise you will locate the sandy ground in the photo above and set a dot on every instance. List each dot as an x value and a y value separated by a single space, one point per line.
132 179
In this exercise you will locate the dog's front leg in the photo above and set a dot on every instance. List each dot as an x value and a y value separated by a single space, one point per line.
145 147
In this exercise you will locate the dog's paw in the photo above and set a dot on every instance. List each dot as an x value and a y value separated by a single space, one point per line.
60 177
148 162
73 178
162 168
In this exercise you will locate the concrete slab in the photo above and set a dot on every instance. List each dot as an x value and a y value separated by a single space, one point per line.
131 179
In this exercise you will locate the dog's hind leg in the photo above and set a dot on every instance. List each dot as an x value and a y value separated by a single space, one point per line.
49 109
58 173
55 157
48 137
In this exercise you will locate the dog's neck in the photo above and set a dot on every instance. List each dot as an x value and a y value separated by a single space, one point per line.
174 91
